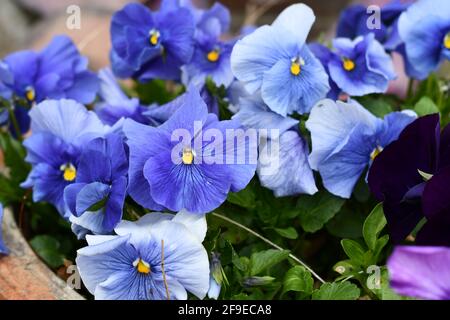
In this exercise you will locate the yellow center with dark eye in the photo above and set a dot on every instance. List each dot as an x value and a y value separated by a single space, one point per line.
142 266
69 172
348 64
296 66
375 152
154 36
447 41
213 55
188 156
30 94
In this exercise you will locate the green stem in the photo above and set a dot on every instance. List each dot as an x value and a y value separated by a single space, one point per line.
14 122
268 242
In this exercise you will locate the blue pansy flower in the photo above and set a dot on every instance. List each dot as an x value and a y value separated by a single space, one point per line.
211 22
211 55
211 59
56 72
356 20
158 257
115 104
283 153
425 29
345 140
60 130
359 67
276 60
97 196
3 248
188 162
148 45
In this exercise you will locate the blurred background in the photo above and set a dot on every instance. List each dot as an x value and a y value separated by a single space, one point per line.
32 23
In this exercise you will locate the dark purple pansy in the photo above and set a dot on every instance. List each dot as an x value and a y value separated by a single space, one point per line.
412 178
421 272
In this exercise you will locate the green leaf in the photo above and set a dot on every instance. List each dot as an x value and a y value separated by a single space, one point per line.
346 224
377 105
263 260
47 248
379 245
154 91
379 284
373 225
318 209
288 232
354 251
244 198
298 279
361 191
425 106
14 157
9 191
337 291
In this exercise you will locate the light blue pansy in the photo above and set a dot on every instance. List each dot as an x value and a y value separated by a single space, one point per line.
425 29
276 60
346 138
158 257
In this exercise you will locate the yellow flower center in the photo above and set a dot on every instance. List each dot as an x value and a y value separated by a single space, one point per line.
447 41
213 55
69 172
188 156
30 94
154 37
142 266
348 64
296 66
375 152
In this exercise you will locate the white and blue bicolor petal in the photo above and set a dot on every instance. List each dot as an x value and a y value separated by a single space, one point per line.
330 122
276 60
255 114
283 166
130 265
66 119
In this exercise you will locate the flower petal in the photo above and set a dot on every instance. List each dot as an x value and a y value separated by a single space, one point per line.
420 272
288 172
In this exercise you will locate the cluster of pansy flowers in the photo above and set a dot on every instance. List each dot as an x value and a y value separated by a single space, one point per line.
86 162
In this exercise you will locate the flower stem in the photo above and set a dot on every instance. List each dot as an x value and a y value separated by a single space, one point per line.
268 242
14 122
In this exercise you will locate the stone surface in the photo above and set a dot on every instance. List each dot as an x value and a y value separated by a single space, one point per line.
23 276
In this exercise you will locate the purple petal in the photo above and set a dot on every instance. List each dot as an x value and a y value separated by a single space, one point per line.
421 272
